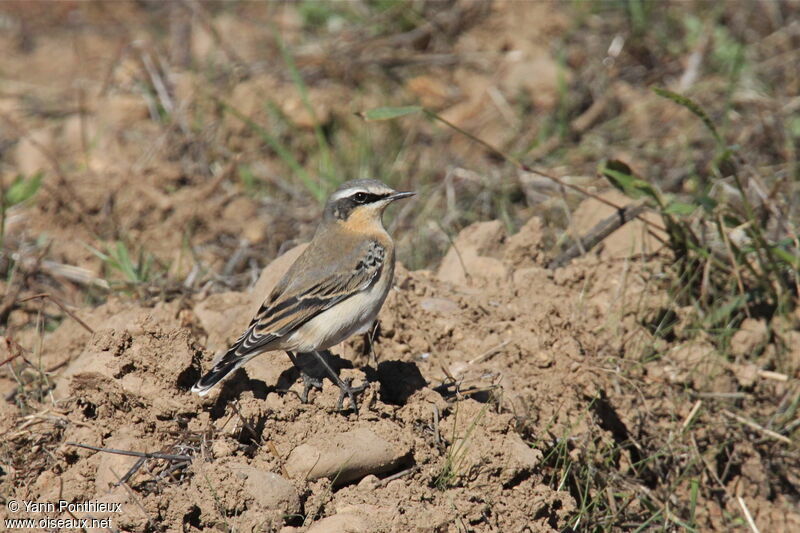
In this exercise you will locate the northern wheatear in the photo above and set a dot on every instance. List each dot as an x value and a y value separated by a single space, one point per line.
332 291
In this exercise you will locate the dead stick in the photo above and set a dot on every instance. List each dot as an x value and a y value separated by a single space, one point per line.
12 346
165 456
134 498
402 473
747 515
135 468
749 423
8 360
597 234
61 306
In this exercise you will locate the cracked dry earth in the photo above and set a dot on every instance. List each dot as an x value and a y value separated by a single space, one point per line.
480 367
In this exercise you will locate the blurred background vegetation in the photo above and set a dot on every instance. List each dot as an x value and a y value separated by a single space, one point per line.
125 107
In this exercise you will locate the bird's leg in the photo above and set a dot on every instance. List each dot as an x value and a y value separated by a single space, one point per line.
370 336
345 386
308 381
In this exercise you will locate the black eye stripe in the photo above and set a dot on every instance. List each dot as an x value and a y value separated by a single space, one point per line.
362 197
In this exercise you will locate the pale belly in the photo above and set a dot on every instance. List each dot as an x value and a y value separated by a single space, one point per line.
352 316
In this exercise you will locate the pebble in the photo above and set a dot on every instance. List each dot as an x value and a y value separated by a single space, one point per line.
344 457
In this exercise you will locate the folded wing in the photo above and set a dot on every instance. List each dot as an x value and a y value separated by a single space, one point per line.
294 303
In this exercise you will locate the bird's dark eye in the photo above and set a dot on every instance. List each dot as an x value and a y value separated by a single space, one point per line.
360 197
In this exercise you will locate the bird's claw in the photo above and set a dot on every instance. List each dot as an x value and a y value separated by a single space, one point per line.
347 390
308 384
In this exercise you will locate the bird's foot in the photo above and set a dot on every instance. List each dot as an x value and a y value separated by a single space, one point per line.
308 384
346 390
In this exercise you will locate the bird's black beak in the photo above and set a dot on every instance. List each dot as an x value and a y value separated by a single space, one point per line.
400 195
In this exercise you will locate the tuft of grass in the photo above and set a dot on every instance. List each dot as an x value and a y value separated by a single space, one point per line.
726 265
456 452
315 187
248 179
118 258
326 168
20 191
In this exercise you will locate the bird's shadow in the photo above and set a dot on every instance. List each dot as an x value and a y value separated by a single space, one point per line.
309 363
234 386
398 380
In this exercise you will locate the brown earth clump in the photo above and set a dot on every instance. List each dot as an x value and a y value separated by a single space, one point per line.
478 388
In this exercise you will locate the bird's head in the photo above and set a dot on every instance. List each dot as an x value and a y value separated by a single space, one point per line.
360 203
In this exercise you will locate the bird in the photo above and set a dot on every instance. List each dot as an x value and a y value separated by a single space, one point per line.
332 291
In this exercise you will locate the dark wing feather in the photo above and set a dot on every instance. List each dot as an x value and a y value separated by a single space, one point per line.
286 311
294 303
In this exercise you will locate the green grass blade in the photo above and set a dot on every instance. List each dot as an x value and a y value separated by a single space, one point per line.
620 176
124 260
389 113
22 189
313 187
692 106
679 208
326 165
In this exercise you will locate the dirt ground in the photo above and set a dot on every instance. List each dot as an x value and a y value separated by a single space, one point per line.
502 395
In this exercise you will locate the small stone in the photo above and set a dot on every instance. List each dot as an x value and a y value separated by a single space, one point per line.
340 523
522 457
746 374
344 457
543 360
397 485
223 447
269 490
369 482
752 334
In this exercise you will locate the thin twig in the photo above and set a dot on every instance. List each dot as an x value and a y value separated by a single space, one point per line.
769 374
757 427
488 353
12 346
691 414
130 473
73 273
711 471
148 455
385 481
732 258
525 168
134 498
274 451
60 306
436 424
597 234
747 515
724 395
